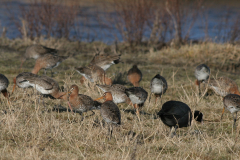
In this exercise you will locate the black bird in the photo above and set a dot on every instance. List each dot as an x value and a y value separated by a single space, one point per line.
177 114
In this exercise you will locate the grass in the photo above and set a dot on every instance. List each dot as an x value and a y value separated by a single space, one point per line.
28 131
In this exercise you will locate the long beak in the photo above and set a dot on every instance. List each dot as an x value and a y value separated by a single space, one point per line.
99 98
222 112
14 86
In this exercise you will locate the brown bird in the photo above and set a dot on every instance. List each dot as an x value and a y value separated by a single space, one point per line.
36 51
22 80
158 86
48 61
134 76
105 61
138 96
202 73
3 86
80 102
94 73
223 86
110 111
117 91
232 103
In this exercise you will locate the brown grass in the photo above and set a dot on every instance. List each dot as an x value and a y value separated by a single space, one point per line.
28 131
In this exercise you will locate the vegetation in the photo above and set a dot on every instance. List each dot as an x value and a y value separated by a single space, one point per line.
30 131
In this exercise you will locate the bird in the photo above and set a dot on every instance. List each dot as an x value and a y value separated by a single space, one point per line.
117 91
48 61
232 103
47 86
94 73
4 85
137 96
202 73
176 114
22 80
105 61
80 102
223 86
110 111
134 76
36 51
158 86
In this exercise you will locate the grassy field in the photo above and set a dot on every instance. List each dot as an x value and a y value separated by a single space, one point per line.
28 131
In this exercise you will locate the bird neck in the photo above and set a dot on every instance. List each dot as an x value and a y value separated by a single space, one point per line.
73 95
128 101
23 59
108 81
36 68
82 80
237 92
5 93
136 84
108 100
197 82
61 95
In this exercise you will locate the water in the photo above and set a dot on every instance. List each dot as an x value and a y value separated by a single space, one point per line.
92 30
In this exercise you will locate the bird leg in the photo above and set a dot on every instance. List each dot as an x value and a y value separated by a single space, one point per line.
222 112
172 133
81 116
43 103
93 113
137 110
51 73
45 72
5 94
156 97
199 90
150 97
110 130
70 107
234 120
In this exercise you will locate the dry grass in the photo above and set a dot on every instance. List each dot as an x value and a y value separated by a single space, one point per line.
28 131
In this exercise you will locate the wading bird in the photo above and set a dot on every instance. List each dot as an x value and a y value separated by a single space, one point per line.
202 73
48 61
232 103
3 86
117 91
80 102
22 80
105 61
94 73
36 51
158 87
223 86
134 76
137 96
110 111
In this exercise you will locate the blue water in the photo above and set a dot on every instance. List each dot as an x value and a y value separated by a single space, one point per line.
92 30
